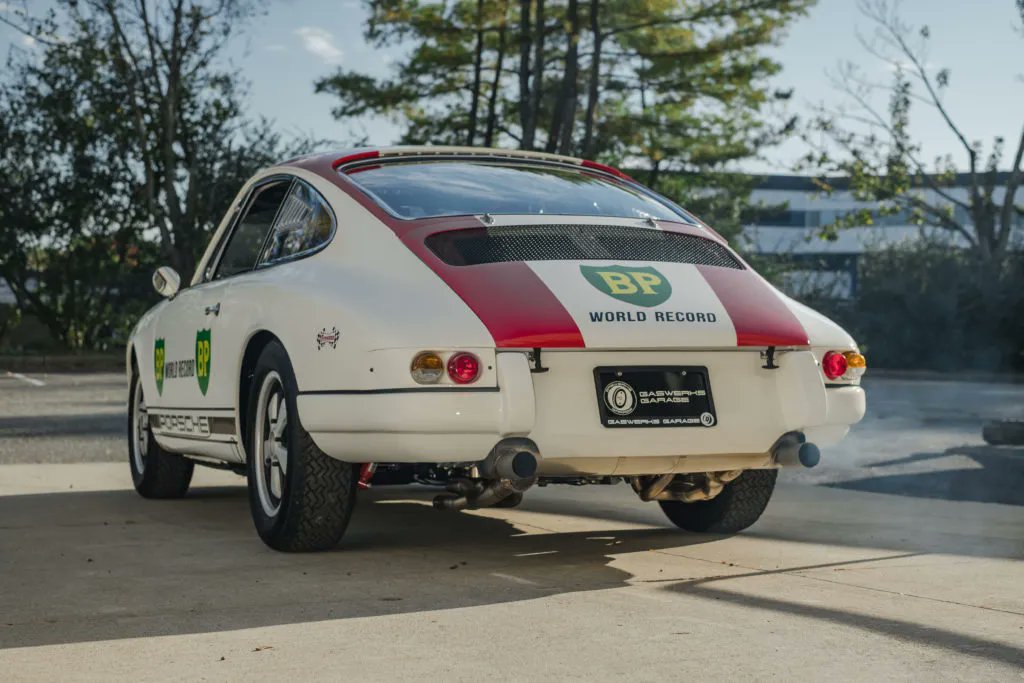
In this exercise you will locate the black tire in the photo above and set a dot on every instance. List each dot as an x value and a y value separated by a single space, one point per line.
739 505
318 493
156 473
1004 433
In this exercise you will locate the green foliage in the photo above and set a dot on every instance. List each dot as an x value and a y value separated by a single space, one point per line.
664 86
874 150
121 145
926 306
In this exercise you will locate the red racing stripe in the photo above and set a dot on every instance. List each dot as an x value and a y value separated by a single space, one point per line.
515 305
760 317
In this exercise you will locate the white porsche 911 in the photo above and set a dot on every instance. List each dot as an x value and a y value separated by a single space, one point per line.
482 320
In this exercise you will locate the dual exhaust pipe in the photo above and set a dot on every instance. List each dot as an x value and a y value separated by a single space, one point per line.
509 469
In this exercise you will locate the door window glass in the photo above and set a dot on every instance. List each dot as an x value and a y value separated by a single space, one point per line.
303 224
244 245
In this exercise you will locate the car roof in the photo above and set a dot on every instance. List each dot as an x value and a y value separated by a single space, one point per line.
340 158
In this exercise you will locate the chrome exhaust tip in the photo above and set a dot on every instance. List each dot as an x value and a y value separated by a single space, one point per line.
793 450
508 470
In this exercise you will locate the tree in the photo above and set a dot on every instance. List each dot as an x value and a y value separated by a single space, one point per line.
679 89
875 149
122 142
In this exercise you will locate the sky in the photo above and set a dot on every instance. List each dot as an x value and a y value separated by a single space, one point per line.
297 41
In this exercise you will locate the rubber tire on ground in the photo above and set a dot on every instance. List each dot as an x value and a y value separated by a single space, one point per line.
320 491
1004 433
739 505
165 475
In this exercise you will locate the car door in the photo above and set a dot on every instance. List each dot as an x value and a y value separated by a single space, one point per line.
201 355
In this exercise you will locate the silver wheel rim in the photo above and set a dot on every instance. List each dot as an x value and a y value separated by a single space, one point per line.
140 428
270 444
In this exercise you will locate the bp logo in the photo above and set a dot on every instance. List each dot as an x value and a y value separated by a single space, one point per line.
159 357
203 347
620 398
637 285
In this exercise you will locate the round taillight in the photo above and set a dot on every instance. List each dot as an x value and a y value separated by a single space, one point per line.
427 368
856 364
463 368
833 365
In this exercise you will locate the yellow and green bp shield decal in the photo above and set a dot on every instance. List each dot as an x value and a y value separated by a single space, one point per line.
159 358
637 285
203 357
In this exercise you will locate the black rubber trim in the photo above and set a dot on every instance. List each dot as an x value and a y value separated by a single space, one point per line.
400 390
193 409
839 386
204 439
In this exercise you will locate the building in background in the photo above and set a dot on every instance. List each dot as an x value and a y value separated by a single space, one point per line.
797 210
6 295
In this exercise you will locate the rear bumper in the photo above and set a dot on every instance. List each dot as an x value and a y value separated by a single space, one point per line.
845 408
558 410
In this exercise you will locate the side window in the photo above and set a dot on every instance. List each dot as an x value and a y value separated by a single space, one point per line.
303 224
243 247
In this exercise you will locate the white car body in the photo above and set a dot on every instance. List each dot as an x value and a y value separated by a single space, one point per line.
354 314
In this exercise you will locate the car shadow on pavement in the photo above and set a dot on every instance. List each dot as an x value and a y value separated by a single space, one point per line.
94 566
999 479
899 629
89 566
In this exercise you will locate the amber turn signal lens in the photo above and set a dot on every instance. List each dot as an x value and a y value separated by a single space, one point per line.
856 364
427 368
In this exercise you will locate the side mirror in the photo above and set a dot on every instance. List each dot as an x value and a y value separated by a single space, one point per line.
166 281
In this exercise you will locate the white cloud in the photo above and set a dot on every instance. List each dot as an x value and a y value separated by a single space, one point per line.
320 43
28 41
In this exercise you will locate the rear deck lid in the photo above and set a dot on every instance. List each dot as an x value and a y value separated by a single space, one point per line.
602 284
561 255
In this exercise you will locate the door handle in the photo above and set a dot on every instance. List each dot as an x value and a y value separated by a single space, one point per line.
215 309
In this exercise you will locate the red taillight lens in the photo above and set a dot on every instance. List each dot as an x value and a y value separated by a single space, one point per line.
463 368
834 364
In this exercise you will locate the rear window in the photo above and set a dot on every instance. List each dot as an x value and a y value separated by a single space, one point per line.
455 188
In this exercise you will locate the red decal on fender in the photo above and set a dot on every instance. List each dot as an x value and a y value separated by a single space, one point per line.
760 317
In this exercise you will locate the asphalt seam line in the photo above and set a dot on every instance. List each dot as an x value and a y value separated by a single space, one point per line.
30 380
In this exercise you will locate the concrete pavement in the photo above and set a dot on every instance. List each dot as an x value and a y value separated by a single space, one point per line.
588 583
67 418
578 583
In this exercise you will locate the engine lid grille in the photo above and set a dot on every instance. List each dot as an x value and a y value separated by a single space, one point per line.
475 246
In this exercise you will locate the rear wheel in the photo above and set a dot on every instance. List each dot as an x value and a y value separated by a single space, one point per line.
156 473
301 499
739 505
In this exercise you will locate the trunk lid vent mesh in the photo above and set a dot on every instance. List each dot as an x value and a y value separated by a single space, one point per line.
475 246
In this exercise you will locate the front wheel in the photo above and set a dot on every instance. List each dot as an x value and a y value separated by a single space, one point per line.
301 499
155 472
739 505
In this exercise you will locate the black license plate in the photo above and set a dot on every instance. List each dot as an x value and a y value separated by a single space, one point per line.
655 397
